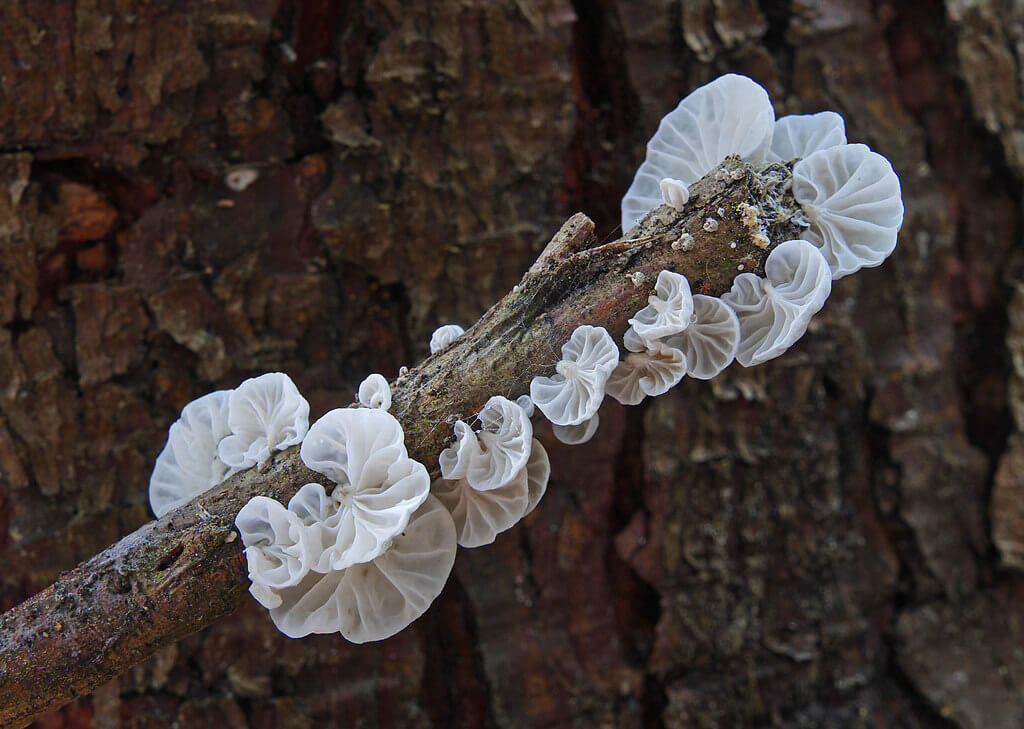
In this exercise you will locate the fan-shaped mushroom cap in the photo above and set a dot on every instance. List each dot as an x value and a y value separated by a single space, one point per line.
188 465
378 485
575 392
652 372
668 310
577 434
773 312
730 115
275 543
632 341
480 516
375 392
454 461
374 600
443 337
538 470
505 444
712 339
265 414
675 193
800 135
852 198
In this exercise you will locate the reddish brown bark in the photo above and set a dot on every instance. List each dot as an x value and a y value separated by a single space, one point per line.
816 542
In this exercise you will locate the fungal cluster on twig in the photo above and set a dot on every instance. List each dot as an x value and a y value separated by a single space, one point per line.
366 551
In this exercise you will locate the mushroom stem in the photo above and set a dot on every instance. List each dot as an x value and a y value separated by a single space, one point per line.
179 574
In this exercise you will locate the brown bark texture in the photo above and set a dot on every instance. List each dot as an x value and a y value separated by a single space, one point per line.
195 192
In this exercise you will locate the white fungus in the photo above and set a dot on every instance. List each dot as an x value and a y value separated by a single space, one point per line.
240 178
443 337
773 312
491 458
649 373
374 392
378 485
852 198
711 341
799 135
730 115
526 404
632 341
276 547
480 516
504 444
375 599
577 434
454 460
189 465
575 392
668 309
675 193
710 225
265 414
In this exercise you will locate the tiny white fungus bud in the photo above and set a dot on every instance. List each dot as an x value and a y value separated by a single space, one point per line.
675 193
711 225
740 267
721 212
738 173
241 178
637 277
733 244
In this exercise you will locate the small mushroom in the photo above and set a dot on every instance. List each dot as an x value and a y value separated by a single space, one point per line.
276 548
188 465
577 434
675 193
575 392
649 373
491 458
711 341
852 198
378 486
443 337
505 442
374 600
374 392
773 312
454 460
480 516
730 115
265 414
668 309
800 135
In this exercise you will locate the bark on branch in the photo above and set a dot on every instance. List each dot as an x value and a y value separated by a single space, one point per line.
179 574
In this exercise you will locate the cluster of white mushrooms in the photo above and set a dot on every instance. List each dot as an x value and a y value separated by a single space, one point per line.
367 554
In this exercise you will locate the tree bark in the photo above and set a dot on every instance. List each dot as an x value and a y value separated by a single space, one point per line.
191 194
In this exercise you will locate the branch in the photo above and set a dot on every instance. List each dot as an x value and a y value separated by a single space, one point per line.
181 573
